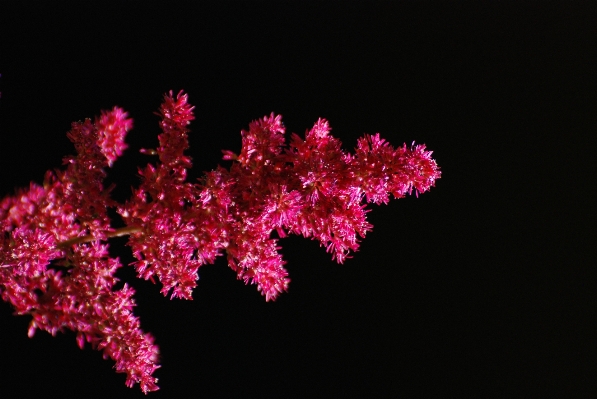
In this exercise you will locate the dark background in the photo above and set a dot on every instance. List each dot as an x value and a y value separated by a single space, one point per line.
484 286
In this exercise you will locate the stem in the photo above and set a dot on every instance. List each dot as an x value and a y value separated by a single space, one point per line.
123 231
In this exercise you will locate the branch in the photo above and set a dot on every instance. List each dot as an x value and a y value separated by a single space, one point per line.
123 231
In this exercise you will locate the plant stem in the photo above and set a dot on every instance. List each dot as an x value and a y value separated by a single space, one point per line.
123 231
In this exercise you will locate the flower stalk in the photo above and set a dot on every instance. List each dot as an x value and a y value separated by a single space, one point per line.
122 231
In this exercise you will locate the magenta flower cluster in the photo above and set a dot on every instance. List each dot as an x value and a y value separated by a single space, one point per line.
54 263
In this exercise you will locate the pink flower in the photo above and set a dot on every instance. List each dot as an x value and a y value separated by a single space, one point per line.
112 128
54 263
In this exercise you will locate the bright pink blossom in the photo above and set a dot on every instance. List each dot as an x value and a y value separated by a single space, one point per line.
54 263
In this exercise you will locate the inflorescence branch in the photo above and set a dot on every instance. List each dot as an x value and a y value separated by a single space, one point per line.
309 186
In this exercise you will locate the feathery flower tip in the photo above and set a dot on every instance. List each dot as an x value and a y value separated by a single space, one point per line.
320 130
112 129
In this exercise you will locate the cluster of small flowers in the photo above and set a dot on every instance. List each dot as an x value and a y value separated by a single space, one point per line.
54 263
54 266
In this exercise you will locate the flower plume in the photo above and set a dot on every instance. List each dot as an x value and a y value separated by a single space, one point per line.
54 260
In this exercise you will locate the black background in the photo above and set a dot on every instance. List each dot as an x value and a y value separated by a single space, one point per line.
484 286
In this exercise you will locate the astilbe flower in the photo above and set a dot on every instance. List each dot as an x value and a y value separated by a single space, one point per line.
53 252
